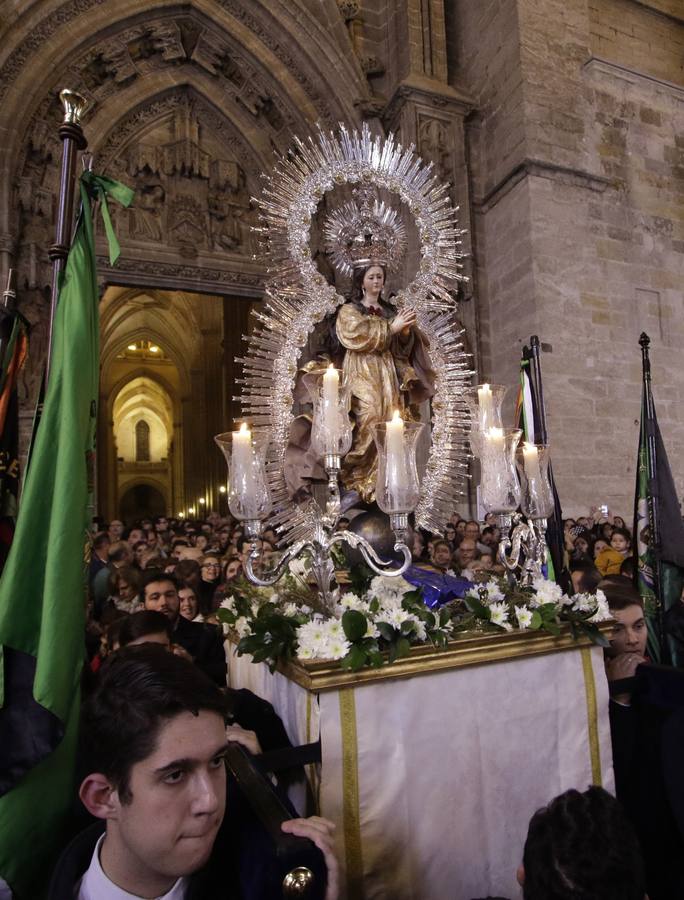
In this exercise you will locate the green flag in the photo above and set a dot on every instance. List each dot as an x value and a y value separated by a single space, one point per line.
659 572
42 591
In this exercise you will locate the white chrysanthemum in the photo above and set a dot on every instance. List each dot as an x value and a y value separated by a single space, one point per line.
229 604
351 601
290 609
524 617
336 648
371 630
602 613
306 610
388 589
498 613
547 591
242 627
494 592
255 607
583 602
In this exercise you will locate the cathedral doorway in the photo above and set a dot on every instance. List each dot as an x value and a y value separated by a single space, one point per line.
167 383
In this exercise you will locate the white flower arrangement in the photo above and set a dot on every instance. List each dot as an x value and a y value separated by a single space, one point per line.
543 606
388 616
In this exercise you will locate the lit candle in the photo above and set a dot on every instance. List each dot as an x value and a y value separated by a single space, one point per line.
331 400
495 437
242 474
396 460
484 399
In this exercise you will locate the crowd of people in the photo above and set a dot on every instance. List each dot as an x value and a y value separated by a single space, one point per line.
161 583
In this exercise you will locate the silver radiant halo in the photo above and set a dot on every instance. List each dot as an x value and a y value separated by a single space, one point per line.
297 297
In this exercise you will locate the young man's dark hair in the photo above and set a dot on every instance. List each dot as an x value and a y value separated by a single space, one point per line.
139 690
152 575
589 578
101 540
620 592
141 624
582 847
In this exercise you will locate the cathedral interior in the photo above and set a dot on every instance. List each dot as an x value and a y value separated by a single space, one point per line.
559 125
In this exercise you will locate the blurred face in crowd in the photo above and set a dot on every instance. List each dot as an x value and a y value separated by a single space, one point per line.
233 570
418 545
126 591
472 530
600 546
489 538
629 632
450 533
201 542
211 569
116 529
581 545
177 550
442 556
137 534
618 521
620 543
461 527
162 596
162 524
188 603
466 551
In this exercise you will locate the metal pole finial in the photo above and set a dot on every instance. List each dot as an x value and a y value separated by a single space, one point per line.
74 106
644 341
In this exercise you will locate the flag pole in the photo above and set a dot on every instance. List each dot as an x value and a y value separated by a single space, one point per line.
535 372
73 139
652 499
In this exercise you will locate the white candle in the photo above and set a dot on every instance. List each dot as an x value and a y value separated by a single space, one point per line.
484 399
331 400
495 437
397 475
531 461
242 474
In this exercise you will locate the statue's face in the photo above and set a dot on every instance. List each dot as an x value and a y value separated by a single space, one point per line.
373 281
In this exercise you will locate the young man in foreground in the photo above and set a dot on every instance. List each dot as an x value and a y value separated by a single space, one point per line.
154 741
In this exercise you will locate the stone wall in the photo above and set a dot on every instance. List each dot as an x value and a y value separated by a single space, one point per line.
578 197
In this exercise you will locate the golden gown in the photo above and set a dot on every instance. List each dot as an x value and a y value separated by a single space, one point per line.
378 367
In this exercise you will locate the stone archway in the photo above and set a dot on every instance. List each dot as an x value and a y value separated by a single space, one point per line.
143 500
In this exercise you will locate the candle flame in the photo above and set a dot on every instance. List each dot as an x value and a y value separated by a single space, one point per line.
495 432
331 367
528 447
243 428
397 416
485 387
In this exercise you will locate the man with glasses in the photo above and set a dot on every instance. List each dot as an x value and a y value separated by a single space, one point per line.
202 642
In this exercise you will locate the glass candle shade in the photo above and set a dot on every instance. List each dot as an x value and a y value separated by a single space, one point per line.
484 404
331 429
397 487
245 454
499 486
536 496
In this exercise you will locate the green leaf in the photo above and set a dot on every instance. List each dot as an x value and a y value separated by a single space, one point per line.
386 631
403 648
355 659
552 627
476 607
408 627
374 605
354 624
536 621
376 659
413 597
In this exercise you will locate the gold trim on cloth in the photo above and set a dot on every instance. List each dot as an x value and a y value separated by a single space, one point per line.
350 796
592 716
467 649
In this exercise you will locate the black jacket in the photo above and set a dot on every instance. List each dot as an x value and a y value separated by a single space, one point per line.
205 644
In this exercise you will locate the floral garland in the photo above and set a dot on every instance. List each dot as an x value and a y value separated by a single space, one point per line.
544 607
381 618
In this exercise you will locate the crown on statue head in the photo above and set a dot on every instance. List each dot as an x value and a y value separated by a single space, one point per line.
365 232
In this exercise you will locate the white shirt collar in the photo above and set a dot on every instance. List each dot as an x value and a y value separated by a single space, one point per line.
96 886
